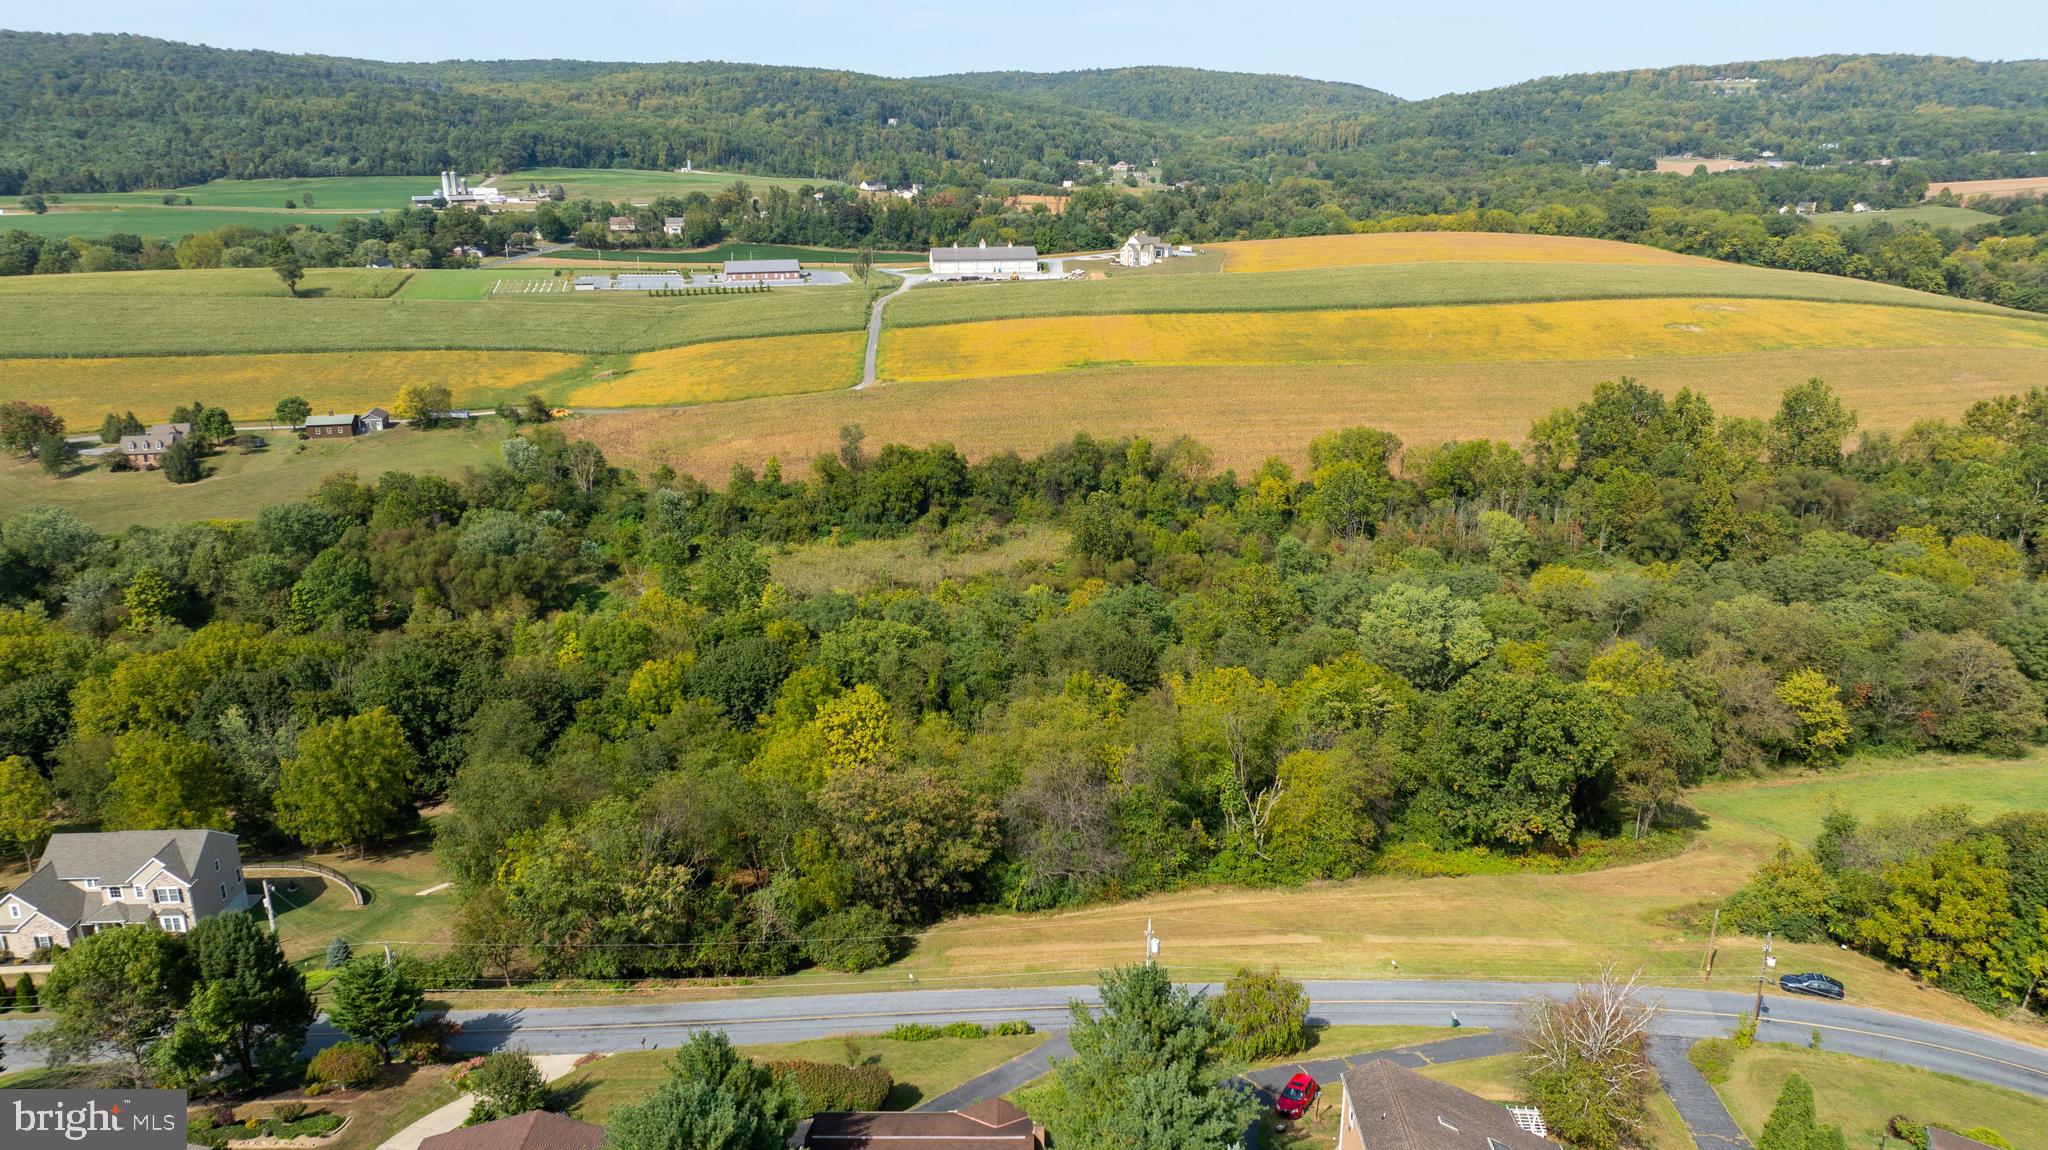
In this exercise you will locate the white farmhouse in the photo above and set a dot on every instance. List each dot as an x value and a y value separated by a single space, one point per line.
1142 251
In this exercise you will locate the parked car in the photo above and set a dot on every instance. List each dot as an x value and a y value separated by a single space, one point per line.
1819 985
1296 1097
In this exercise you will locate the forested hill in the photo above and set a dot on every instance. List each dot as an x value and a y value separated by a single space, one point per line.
1224 101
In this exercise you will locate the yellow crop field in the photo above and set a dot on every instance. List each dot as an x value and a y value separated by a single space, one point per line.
249 386
1433 247
1494 333
730 369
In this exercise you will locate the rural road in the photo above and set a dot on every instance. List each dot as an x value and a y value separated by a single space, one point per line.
867 371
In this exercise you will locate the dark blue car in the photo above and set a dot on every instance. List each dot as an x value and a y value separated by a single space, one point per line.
1819 985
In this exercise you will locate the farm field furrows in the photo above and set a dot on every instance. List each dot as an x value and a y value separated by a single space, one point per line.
729 370
1932 215
1598 329
210 283
1428 247
42 325
353 193
1964 189
249 386
1393 285
1245 414
94 221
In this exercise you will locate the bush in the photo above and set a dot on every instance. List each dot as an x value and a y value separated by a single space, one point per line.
853 940
352 1064
1745 1031
1006 1029
25 995
427 1041
829 1086
505 1083
1987 1136
338 954
964 1030
289 1112
913 1032
1266 1016
1714 1058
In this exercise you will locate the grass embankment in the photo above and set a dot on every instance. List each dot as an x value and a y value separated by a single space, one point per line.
1597 329
208 283
1420 284
395 911
1432 247
1247 414
238 486
922 1069
1930 215
1861 1095
134 324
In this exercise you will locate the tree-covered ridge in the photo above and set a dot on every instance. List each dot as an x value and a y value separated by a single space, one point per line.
1216 101
659 760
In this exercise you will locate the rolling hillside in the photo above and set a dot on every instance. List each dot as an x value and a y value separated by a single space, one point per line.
1219 101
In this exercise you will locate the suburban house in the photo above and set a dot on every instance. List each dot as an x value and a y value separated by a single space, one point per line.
332 426
984 260
672 225
993 1125
146 451
1387 1106
1808 207
1142 251
374 420
874 185
764 271
909 193
89 882
533 1130
622 224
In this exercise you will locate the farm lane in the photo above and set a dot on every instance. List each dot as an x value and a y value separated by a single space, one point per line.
867 376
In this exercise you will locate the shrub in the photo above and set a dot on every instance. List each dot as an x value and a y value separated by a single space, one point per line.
829 1086
1266 1015
427 1041
852 940
1714 1058
338 954
1006 1029
353 1064
505 1083
289 1112
1745 1031
964 1030
914 1032
1987 1136
25 995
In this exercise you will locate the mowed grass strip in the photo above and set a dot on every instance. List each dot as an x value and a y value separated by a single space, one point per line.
1861 1094
1594 329
1431 284
45 324
1425 247
728 370
249 386
210 283
1246 414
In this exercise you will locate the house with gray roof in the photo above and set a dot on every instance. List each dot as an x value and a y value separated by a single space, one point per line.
332 426
145 452
764 271
1386 1106
87 883
984 261
1142 251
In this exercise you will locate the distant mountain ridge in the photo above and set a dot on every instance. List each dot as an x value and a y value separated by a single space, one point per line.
1188 96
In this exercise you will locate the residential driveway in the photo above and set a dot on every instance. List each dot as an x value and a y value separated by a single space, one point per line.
449 1117
1699 1107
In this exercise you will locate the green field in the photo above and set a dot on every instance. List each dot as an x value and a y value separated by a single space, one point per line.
724 252
461 284
353 193
634 184
1792 808
1861 1095
1392 285
241 485
94 221
40 324
1930 215
210 283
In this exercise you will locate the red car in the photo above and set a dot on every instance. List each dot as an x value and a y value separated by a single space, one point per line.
1296 1097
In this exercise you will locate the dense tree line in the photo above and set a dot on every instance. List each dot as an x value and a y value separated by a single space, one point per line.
660 760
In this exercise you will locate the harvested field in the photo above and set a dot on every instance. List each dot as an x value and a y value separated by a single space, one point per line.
728 370
209 283
249 386
1245 414
1599 329
1430 247
1686 165
1967 189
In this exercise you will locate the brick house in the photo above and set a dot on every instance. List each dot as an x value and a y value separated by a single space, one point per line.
145 452
87 883
332 426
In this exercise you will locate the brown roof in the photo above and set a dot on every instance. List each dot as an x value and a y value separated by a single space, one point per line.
993 1125
1939 1139
533 1130
1398 1109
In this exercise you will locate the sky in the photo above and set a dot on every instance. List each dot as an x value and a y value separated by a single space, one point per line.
1413 50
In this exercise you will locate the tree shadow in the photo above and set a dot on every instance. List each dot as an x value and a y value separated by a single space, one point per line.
902 1096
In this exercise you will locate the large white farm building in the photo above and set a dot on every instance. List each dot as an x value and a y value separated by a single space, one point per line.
985 261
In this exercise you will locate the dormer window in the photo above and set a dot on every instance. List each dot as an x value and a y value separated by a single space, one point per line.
1496 1144
13 910
216 866
1440 1122
92 884
114 892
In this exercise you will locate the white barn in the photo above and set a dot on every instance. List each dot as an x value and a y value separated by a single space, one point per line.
1021 260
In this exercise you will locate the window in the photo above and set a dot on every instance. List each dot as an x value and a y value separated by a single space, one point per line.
92 884
169 894
42 942
175 923
13 910
216 866
223 892
113 892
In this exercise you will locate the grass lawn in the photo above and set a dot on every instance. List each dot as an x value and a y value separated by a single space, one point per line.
1931 215
1246 414
1417 284
723 252
318 912
242 485
637 184
1860 1095
95 220
1344 1041
922 1069
355 193
43 324
407 1095
820 568
1493 333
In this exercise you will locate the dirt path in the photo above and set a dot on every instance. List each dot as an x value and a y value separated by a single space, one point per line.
867 375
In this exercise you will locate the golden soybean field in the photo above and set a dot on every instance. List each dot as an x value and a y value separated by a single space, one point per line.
730 369
1433 247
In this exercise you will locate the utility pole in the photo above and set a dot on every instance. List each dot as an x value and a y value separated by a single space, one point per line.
1151 945
1763 972
269 909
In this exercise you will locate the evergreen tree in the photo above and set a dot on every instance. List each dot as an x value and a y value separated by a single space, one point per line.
25 995
180 462
251 1006
338 954
1794 1123
374 1002
713 1099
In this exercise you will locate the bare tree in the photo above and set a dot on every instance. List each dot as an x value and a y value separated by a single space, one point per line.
1587 1059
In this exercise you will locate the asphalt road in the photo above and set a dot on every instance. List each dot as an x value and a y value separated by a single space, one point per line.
1685 1015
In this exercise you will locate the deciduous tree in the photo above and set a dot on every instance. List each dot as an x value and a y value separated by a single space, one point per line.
117 990
347 785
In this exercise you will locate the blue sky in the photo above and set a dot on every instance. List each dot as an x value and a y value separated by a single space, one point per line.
1412 50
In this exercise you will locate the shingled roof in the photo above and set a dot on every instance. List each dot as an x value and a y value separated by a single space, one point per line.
1395 1108
993 1125
533 1130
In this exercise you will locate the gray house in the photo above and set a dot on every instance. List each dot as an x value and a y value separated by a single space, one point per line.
87 883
